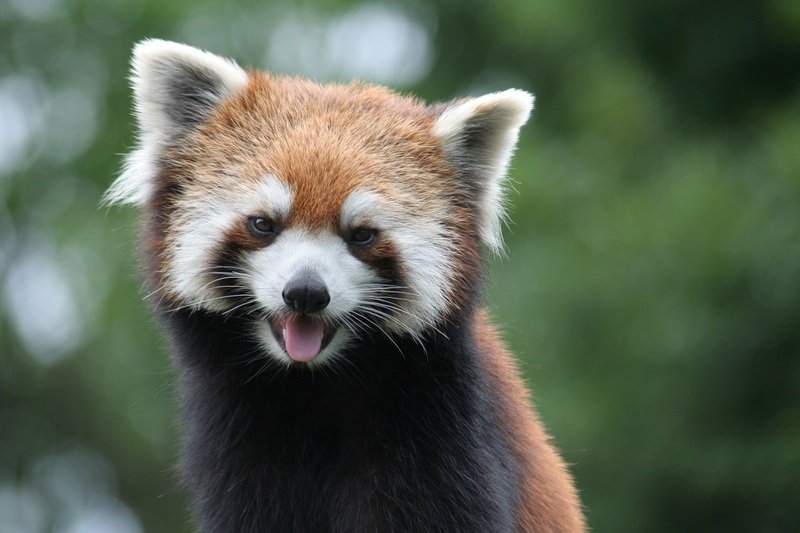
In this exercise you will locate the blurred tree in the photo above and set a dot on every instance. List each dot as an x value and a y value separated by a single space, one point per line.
653 284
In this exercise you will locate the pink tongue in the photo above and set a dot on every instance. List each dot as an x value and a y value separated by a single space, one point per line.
303 338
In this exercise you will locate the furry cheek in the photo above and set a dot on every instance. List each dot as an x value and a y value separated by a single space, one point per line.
195 239
423 256
200 231
426 258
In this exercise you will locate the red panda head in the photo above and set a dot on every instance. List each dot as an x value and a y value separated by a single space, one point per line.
323 214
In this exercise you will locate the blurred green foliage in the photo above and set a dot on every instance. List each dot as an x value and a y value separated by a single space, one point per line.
652 288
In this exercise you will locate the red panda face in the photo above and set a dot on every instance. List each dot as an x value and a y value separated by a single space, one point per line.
322 215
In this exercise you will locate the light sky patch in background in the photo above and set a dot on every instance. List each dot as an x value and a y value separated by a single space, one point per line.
371 42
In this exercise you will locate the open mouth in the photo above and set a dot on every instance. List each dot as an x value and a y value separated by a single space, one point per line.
302 337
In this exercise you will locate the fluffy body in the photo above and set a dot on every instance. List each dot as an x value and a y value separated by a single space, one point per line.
316 255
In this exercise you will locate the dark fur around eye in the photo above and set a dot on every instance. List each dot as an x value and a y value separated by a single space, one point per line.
362 236
262 227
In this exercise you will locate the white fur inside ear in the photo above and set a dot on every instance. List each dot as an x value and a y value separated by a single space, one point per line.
479 135
175 86
159 67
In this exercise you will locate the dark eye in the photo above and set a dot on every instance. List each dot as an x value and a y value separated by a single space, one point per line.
362 236
262 227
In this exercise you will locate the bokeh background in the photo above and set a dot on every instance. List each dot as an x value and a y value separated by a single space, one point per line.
651 288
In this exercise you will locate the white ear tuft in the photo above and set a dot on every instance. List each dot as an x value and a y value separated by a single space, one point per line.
479 135
176 87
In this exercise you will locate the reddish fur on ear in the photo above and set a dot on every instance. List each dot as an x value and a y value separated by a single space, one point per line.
548 500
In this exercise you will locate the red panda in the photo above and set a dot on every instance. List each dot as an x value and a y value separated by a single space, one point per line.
316 255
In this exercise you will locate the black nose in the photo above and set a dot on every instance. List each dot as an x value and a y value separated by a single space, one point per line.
306 293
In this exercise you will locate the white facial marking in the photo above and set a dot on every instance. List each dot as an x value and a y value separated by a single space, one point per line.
346 278
272 197
196 242
325 254
426 255
202 229
363 206
424 251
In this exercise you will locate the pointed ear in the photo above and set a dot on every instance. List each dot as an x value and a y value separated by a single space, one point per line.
479 136
176 88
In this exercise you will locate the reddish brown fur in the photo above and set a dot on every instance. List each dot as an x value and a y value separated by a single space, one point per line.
326 141
549 502
320 140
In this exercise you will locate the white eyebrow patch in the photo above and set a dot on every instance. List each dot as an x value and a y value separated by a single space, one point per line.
271 196
276 196
361 207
